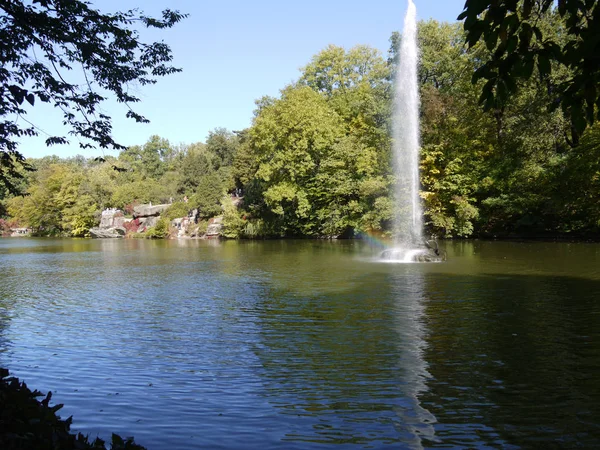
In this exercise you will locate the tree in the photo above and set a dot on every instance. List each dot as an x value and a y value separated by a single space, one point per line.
195 163
223 144
72 56
357 86
209 192
290 139
511 31
150 160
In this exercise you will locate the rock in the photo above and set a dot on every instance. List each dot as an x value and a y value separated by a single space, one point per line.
118 221
111 217
148 210
214 230
215 226
18 232
107 233
181 224
147 222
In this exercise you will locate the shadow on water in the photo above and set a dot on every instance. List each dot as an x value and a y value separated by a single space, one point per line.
514 360
437 360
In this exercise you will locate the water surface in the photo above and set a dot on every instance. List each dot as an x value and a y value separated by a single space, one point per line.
308 344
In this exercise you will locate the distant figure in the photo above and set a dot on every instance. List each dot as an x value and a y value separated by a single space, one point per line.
150 203
185 199
170 199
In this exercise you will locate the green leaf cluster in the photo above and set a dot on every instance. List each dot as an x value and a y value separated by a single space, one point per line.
50 47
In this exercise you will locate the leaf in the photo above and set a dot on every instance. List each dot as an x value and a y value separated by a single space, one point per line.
487 95
491 40
527 5
511 44
475 33
31 99
482 72
525 37
562 7
462 15
528 66
546 5
17 93
544 65
578 118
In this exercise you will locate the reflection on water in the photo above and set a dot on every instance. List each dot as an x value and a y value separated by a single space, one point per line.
292 345
415 421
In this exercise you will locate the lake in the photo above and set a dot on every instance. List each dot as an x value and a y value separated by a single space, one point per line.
308 344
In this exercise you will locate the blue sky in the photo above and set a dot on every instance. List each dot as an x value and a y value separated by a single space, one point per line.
233 52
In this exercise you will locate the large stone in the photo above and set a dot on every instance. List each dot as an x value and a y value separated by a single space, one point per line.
151 221
215 226
148 210
111 217
118 221
107 233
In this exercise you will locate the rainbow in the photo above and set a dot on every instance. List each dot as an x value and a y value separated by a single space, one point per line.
376 239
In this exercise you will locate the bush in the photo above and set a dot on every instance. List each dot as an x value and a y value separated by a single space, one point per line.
160 231
176 210
4 228
28 423
255 229
233 224
201 227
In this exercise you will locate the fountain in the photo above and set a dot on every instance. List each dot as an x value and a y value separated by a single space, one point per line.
409 245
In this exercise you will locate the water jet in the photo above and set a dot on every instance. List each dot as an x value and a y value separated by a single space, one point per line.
409 245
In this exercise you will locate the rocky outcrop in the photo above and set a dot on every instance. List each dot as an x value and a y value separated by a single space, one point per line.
147 222
111 217
149 210
107 233
19 232
111 225
215 226
181 225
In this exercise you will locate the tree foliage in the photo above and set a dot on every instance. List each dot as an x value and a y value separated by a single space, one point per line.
316 160
73 57
514 34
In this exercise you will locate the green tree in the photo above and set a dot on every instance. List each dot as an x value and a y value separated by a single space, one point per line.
150 160
456 135
357 86
518 44
45 42
223 144
209 192
55 188
196 162
290 138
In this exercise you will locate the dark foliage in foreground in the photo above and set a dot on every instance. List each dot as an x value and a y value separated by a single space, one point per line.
28 423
